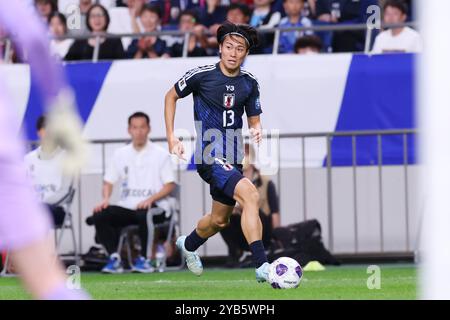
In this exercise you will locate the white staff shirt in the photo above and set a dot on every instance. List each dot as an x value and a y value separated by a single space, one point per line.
408 40
45 170
141 174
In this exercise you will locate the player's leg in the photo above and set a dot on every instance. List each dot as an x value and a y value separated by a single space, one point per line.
248 197
207 226
42 274
218 219
232 236
24 229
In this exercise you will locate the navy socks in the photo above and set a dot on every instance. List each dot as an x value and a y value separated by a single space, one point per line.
193 241
258 253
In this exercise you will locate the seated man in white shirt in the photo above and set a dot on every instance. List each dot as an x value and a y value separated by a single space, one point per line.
44 166
397 40
146 178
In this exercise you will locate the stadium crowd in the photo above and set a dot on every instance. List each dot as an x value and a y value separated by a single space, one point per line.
202 19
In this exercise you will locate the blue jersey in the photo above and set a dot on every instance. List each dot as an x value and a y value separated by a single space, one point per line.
219 104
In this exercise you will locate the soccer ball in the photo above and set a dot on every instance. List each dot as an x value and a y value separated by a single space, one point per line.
285 273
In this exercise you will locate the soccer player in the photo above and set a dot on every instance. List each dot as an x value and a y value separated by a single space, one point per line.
222 92
24 225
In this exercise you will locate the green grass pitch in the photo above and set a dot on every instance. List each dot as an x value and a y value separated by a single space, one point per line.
398 281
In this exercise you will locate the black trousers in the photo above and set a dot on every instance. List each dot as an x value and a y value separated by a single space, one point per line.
235 239
58 214
110 221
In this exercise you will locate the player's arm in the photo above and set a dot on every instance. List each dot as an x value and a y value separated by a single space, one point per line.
253 111
255 128
170 103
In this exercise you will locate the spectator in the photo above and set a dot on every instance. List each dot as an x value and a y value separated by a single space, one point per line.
263 16
126 20
213 13
45 8
335 11
309 9
44 167
64 5
402 39
308 45
293 9
409 5
145 174
268 212
150 46
75 12
97 21
237 13
58 28
248 3
344 12
170 11
197 40
84 6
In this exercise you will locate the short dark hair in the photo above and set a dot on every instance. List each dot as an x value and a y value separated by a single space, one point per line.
189 12
308 41
241 7
148 7
41 122
53 3
249 33
398 4
105 12
61 17
139 114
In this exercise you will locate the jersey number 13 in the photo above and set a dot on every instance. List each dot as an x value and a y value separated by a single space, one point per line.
228 118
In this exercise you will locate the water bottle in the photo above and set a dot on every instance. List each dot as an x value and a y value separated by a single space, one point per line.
160 258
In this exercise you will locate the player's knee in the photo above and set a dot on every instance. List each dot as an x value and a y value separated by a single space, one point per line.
220 223
251 197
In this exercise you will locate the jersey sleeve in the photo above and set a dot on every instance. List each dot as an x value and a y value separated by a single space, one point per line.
188 84
253 104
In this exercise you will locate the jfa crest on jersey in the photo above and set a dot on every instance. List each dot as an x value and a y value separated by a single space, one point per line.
228 100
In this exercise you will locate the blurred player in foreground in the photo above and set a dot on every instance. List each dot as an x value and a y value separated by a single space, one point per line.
222 92
25 225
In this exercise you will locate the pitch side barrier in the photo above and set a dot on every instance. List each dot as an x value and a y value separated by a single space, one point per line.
352 153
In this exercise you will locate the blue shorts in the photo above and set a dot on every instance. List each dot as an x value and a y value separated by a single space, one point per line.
222 178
